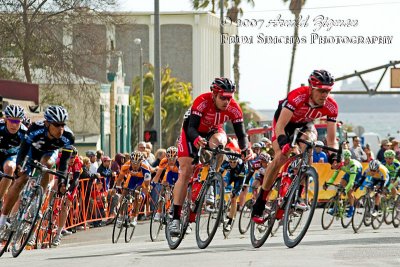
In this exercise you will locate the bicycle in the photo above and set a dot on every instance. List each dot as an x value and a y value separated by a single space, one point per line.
302 186
336 208
363 211
208 215
164 201
245 215
124 218
396 213
23 224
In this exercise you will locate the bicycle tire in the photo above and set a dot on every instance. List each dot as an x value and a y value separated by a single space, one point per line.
388 210
395 221
291 212
174 242
245 217
21 235
42 232
121 216
218 188
378 220
326 218
5 243
368 208
344 220
359 214
154 233
264 229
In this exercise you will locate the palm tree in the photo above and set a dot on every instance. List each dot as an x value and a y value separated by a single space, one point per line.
295 7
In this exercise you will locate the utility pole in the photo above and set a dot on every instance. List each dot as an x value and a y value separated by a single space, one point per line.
221 46
157 74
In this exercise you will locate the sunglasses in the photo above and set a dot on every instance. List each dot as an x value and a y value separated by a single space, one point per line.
135 162
171 158
14 121
233 161
224 98
58 125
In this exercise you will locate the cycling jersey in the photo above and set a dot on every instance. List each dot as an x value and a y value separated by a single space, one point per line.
135 177
171 172
381 174
352 176
203 119
234 175
10 143
253 166
298 101
392 168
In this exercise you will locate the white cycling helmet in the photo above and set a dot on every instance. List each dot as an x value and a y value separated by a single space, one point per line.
56 114
14 111
374 165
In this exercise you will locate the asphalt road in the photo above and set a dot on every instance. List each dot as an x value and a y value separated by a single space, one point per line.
334 247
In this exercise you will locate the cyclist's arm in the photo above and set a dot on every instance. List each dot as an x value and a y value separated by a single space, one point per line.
241 135
158 175
333 178
283 120
23 150
194 123
350 184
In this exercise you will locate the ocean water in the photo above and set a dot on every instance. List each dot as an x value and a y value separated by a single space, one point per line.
383 123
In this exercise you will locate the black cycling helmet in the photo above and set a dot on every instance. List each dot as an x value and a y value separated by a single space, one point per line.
321 79
223 86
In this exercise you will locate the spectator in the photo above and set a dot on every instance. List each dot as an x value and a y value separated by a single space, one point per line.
99 155
160 154
151 158
395 148
385 144
357 152
319 156
345 145
93 163
141 147
268 146
98 196
368 152
127 157
105 171
118 162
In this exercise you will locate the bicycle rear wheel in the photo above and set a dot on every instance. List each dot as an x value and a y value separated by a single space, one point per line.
359 213
156 226
396 213
328 214
209 214
296 220
44 231
388 210
26 225
5 240
378 220
245 217
129 229
175 241
119 221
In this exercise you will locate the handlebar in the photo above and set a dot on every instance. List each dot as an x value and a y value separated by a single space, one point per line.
37 165
219 150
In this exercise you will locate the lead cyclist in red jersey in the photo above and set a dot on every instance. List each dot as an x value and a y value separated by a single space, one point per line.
298 110
203 124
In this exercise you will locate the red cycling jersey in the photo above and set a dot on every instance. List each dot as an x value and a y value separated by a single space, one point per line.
211 120
298 101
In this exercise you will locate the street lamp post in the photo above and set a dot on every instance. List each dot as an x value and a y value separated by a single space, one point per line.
141 127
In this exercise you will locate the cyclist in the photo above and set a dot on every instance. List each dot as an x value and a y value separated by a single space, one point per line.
171 166
138 175
203 124
265 159
12 132
299 109
74 169
42 142
352 179
378 174
234 171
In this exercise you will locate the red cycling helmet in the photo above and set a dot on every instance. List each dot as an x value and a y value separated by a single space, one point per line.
321 79
223 86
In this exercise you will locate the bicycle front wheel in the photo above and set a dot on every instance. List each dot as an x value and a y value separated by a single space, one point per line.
210 209
396 213
156 222
388 210
245 217
359 213
346 221
328 214
28 217
299 209
119 221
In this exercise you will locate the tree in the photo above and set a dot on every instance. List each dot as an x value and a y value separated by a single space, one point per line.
175 98
32 32
295 7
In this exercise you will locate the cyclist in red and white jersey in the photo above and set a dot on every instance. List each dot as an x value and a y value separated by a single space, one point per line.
298 110
203 124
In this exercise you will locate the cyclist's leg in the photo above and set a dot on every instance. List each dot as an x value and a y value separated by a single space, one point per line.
8 168
185 172
215 140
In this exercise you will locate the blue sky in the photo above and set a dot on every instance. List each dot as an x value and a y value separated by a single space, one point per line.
265 67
